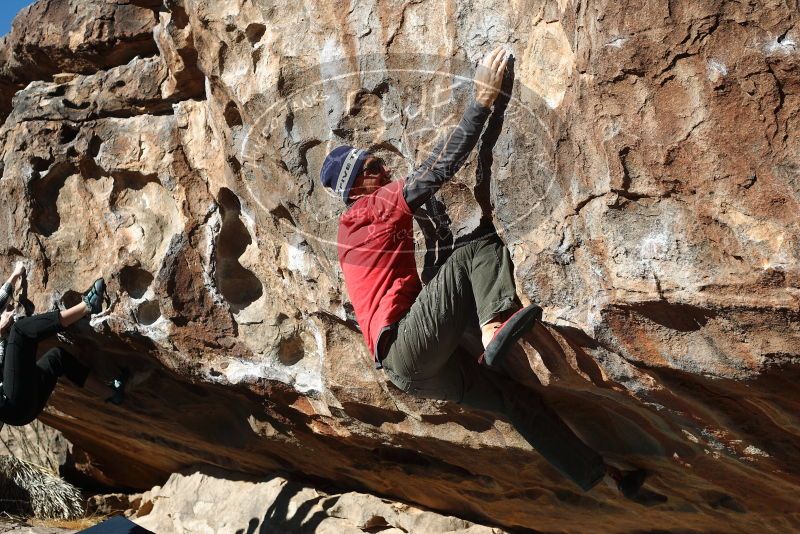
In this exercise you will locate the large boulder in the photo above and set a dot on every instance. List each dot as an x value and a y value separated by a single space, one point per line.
36 443
215 501
642 168
53 36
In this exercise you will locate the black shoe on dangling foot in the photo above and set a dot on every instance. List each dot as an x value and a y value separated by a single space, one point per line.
93 298
118 388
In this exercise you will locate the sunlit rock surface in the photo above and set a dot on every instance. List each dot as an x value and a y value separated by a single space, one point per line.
35 443
221 502
644 172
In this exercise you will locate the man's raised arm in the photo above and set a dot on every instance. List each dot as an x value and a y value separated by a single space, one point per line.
450 153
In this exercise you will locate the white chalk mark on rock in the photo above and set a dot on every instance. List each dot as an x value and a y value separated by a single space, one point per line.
617 42
755 451
782 45
297 258
716 69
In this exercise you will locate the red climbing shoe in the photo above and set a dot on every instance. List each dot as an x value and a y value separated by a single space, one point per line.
509 332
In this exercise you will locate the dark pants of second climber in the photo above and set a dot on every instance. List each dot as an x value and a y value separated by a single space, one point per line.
421 360
27 383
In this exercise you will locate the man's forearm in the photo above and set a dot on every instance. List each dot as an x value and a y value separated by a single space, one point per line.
446 158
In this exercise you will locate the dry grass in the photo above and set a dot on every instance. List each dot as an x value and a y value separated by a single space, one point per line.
27 487
33 443
72 524
67 524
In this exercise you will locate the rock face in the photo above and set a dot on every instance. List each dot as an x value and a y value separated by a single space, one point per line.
643 169
24 528
35 443
49 37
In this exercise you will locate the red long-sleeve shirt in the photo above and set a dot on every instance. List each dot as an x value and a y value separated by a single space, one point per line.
376 233
376 251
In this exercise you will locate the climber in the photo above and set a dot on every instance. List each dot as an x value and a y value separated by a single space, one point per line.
27 383
413 332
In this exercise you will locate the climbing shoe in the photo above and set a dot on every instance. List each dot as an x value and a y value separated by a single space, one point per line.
118 388
93 298
509 332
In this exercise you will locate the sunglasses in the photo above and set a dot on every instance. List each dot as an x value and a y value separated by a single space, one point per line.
375 166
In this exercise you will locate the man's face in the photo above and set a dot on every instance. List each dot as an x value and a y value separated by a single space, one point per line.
374 175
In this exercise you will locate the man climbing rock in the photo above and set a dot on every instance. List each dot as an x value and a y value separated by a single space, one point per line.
413 331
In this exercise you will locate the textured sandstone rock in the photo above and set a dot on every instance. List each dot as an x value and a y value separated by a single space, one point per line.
109 504
35 443
222 502
24 528
55 36
643 172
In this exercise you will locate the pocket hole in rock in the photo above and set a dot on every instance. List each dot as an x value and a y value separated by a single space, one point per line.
94 146
238 285
59 90
41 164
255 32
71 298
75 105
179 16
135 281
68 134
148 312
133 180
291 350
232 115
44 194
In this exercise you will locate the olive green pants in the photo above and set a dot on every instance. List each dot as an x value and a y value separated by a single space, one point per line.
423 360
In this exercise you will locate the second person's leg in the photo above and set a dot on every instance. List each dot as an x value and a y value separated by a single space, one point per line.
20 379
53 364
73 314
92 303
43 325
37 327
57 362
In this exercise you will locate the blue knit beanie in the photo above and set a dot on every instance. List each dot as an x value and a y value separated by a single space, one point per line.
340 169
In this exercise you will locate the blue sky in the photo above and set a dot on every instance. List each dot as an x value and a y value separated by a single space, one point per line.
8 10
